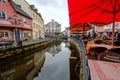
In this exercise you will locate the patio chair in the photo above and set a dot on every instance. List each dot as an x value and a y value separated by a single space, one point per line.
94 52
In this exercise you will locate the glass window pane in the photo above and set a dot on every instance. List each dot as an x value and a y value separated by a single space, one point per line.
6 34
3 14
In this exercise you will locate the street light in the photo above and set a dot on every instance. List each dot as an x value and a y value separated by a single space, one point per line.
14 20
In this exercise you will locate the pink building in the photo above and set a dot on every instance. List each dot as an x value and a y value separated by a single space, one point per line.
14 21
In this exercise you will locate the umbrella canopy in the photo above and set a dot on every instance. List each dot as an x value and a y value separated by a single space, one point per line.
94 11
100 24
80 27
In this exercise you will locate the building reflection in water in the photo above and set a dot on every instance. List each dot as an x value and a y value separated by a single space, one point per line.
22 68
56 66
28 67
53 50
67 44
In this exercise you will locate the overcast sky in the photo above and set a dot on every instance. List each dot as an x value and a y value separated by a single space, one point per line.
52 9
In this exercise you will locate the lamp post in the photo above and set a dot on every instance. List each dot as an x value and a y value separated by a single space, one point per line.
14 20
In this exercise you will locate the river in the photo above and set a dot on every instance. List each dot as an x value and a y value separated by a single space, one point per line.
51 63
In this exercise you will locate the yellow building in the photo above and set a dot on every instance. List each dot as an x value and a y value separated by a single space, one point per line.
37 20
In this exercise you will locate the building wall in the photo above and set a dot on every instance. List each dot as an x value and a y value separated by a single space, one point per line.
24 5
6 27
52 27
37 22
38 29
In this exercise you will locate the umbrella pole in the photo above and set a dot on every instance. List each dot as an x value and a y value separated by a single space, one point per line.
113 26
83 30
113 29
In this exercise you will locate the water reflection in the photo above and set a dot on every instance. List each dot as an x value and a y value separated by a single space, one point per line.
56 66
49 64
56 48
22 67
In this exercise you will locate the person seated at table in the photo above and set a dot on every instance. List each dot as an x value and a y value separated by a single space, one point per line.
109 36
91 41
98 36
118 35
89 36
104 36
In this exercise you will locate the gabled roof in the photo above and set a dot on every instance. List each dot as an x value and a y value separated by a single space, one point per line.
35 10
18 9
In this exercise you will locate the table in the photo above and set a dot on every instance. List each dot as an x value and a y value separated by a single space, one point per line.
102 70
88 46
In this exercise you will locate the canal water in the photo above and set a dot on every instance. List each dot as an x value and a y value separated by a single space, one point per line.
51 63
56 66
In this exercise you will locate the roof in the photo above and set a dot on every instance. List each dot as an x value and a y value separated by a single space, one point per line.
52 21
18 9
35 10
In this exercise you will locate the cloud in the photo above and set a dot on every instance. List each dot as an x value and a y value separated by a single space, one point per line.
54 3
52 9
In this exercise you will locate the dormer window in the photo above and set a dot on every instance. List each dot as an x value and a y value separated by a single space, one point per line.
25 20
2 14
3 1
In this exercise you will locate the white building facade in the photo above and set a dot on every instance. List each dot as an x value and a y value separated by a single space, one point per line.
52 28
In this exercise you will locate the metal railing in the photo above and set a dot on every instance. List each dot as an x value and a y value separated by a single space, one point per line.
84 59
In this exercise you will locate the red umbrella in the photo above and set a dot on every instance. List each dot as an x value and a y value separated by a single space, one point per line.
80 27
92 11
100 24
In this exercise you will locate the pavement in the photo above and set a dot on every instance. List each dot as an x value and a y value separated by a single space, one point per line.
102 70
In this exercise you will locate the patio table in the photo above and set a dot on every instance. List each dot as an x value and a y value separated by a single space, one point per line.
88 46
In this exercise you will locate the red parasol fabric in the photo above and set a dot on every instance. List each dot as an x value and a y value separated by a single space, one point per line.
80 27
84 11
100 24
94 11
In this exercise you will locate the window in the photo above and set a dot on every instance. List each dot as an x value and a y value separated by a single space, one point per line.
2 14
25 34
6 34
25 20
1 34
3 1
52 30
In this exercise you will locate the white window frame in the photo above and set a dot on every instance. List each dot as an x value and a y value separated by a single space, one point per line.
25 20
5 31
3 14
